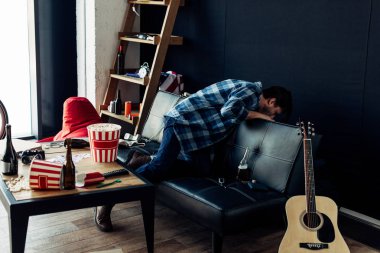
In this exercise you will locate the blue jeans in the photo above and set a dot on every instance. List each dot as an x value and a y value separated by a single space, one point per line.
166 156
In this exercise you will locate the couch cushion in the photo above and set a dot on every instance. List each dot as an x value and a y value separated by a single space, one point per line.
222 209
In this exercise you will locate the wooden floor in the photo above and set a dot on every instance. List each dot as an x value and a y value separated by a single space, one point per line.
74 231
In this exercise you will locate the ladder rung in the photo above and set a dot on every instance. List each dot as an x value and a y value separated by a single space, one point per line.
149 2
174 40
142 81
132 121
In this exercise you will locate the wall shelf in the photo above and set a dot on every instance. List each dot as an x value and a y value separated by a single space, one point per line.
132 121
141 81
161 3
174 40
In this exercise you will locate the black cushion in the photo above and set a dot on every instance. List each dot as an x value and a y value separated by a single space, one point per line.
223 209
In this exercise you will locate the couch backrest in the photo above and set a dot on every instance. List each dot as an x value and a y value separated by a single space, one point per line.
275 158
154 125
274 151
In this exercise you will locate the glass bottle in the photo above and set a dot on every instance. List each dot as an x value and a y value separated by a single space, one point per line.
68 168
244 174
120 61
118 105
9 161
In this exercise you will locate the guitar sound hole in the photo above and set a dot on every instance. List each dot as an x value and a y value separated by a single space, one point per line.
312 220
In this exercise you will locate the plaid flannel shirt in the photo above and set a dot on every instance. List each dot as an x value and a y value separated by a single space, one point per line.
208 116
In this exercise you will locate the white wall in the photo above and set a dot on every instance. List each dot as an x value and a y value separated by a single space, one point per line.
98 25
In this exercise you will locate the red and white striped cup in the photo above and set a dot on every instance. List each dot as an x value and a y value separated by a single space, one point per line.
45 175
104 141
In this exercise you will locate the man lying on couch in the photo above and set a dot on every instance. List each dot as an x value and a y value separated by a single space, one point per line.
203 119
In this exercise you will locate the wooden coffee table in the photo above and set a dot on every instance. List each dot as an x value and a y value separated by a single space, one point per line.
21 205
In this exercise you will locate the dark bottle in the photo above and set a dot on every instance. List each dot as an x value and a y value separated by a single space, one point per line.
120 61
244 174
68 168
118 105
9 161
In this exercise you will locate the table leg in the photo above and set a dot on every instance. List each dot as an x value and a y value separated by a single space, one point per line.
147 207
18 227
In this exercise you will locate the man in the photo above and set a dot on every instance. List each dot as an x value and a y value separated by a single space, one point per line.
204 119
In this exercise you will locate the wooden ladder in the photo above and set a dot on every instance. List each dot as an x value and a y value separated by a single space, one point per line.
151 81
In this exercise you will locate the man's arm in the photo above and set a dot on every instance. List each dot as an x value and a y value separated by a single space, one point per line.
258 115
240 99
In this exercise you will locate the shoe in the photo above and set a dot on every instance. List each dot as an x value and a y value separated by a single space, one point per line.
102 218
138 159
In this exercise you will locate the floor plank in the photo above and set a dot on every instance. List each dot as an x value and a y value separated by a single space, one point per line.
74 231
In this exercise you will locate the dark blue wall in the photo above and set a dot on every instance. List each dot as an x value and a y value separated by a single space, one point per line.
327 52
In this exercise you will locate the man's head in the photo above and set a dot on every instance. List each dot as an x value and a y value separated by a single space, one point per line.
276 101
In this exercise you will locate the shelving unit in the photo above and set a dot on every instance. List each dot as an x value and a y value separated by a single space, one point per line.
151 81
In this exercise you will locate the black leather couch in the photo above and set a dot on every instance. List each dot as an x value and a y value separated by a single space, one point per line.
276 163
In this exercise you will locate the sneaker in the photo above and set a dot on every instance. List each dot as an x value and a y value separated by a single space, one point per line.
138 159
102 218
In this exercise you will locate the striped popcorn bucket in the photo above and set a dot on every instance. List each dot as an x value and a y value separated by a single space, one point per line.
45 175
104 141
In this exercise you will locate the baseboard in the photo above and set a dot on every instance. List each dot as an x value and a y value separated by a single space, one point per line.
359 227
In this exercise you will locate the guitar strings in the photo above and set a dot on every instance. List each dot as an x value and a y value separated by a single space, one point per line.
312 217
315 220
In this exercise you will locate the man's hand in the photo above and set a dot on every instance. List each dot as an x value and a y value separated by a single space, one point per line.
258 115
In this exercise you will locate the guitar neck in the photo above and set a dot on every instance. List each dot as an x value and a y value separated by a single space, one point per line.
309 176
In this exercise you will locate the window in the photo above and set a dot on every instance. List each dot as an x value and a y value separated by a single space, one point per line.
15 88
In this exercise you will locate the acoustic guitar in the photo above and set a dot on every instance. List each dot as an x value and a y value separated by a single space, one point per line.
312 220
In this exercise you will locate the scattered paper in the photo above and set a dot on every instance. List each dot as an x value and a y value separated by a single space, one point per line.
62 158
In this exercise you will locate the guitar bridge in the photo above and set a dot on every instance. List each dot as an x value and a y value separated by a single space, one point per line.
314 246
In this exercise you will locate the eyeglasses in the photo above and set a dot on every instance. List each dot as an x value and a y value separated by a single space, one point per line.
142 36
54 144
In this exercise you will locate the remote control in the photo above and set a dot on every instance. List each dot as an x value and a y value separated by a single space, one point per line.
116 173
